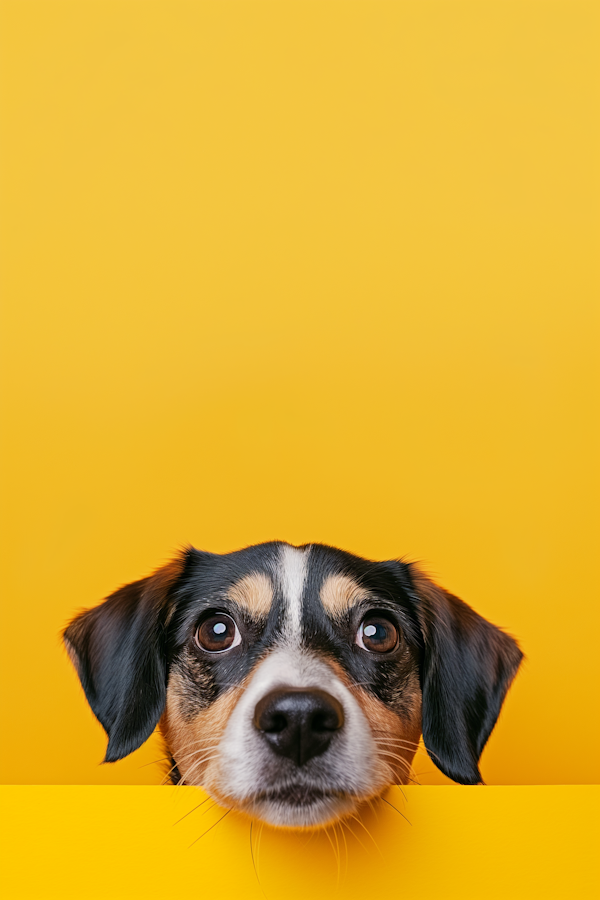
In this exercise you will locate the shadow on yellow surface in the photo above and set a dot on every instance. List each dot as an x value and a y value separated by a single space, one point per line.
140 842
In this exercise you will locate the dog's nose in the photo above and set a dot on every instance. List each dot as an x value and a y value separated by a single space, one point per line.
298 723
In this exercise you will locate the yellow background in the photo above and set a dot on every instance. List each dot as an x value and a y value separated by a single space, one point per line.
317 271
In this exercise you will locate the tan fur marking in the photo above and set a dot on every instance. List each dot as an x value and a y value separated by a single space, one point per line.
254 592
396 739
193 745
339 593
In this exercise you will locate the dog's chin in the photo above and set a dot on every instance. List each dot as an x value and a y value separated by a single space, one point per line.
300 806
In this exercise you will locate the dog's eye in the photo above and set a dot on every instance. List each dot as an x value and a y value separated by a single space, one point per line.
377 634
218 632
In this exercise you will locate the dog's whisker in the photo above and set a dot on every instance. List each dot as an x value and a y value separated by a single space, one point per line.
335 856
338 858
155 762
187 775
210 829
397 747
252 856
180 759
343 833
419 748
395 808
404 768
200 762
166 776
394 752
198 750
392 739
191 811
371 803
196 764
361 823
353 833
199 745
398 760
208 808
393 755
260 834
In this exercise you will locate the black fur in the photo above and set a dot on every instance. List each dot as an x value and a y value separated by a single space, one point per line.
467 668
125 648
119 650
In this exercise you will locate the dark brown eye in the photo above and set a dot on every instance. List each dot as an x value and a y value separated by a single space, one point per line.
377 634
218 632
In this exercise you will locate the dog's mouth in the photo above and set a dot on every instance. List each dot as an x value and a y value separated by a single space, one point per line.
298 805
298 795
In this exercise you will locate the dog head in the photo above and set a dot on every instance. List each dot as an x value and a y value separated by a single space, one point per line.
293 682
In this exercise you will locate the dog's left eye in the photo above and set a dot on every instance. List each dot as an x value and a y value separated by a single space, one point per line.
218 632
377 634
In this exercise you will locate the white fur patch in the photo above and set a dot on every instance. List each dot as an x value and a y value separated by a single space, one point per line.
292 575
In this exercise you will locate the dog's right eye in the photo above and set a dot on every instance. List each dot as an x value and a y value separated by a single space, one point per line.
217 633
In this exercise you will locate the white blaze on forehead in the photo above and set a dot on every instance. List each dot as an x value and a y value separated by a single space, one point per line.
293 566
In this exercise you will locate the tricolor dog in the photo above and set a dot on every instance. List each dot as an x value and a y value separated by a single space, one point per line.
293 683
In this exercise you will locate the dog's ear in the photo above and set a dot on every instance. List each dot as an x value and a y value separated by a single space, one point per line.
119 651
467 667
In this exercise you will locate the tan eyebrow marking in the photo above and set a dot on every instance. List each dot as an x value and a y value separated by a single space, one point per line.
339 593
253 592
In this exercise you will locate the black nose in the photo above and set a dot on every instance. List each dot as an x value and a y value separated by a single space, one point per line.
298 723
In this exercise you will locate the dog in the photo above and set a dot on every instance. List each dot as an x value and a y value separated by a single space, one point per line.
293 683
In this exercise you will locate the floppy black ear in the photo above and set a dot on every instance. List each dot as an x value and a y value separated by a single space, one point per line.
467 668
119 651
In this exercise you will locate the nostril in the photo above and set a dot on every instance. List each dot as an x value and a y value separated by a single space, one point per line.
269 717
274 723
325 721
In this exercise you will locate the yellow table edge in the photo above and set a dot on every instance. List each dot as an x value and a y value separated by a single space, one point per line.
424 842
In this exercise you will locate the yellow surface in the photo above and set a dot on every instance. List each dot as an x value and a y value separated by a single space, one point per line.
119 842
304 270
